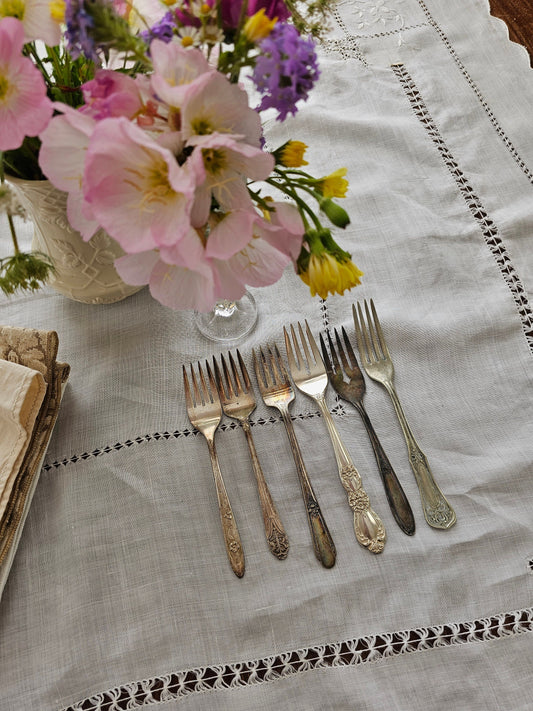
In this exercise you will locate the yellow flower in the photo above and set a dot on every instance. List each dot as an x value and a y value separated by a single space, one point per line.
325 275
292 154
57 10
334 184
258 26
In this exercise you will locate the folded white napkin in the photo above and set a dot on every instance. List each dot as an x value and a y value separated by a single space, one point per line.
31 387
22 392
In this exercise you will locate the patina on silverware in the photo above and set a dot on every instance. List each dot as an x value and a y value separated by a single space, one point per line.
344 363
309 376
238 401
205 413
275 387
377 363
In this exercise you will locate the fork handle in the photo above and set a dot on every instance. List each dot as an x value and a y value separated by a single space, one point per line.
322 541
368 527
278 541
229 527
398 502
437 510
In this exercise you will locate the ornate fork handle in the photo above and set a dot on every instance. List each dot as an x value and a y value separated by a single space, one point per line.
398 502
369 529
229 527
437 511
322 541
275 533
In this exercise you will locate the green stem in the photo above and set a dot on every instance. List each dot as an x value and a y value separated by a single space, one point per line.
302 206
13 233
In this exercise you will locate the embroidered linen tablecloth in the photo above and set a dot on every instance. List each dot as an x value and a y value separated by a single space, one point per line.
121 596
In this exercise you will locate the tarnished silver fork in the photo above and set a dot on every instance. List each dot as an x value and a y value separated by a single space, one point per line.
238 401
205 412
341 363
310 376
277 391
377 363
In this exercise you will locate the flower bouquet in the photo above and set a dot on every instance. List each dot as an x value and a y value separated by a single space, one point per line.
137 110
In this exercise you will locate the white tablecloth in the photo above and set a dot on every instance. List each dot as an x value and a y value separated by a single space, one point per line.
121 595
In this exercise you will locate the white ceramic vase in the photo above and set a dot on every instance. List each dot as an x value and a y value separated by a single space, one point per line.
84 271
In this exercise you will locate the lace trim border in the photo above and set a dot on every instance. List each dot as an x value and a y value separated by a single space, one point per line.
362 650
474 204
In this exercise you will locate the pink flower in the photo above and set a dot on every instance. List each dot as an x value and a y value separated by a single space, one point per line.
37 19
111 93
220 107
64 145
226 163
262 260
175 70
183 284
25 108
137 190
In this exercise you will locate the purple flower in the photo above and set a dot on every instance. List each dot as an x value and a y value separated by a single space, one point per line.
78 33
286 70
163 29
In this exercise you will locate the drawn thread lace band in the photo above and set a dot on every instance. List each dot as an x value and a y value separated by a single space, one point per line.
362 650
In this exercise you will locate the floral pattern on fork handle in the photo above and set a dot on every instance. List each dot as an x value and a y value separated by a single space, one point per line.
369 529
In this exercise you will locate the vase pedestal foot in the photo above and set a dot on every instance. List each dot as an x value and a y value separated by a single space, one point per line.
229 321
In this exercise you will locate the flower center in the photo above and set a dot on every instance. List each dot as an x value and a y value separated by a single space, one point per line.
201 127
154 186
12 8
214 160
4 87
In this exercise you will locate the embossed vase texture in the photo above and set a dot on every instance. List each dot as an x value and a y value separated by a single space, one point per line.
84 271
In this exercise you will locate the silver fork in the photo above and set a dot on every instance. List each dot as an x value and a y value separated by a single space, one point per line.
343 362
205 412
310 376
275 387
378 365
238 402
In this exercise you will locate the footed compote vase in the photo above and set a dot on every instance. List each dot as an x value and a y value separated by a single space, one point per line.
83 271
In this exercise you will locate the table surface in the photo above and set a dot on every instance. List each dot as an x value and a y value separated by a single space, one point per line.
518 16
121 596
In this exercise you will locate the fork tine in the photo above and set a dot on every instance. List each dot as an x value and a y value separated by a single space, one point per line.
244 371
196 392
349 349
204 392
259 368
280 372
301 363
342 354
188 397
218 379
235 372
334 356
381 337
312 343
228 384
361 334
266 367
290 352
325 356
304 343
212 389
373 336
